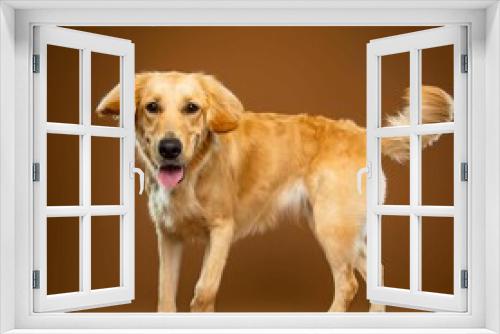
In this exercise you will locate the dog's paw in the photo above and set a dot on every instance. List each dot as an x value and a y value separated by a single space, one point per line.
377 308
203 302
197 306
167 308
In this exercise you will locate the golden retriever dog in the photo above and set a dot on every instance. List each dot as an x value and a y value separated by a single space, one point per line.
217 173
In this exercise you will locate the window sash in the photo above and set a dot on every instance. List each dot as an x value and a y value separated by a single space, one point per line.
85 43
414 43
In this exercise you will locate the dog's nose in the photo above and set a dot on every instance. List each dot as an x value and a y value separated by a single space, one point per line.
170 148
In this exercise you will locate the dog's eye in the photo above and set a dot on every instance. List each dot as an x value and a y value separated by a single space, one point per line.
191 108
152 107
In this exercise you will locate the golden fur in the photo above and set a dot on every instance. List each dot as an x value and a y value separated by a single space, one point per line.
244 172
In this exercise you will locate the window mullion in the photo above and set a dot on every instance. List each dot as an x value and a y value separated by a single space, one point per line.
127 151
415 166
86 177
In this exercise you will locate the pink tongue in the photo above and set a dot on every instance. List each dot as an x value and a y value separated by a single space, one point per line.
170 178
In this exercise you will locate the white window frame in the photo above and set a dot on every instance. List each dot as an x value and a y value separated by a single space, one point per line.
17 19
85 44
414 44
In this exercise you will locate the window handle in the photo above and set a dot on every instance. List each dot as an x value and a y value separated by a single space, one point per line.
134 170
359 176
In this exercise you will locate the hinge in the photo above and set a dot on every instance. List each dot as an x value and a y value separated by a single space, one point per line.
36 172
464 171
36 63
36 279
465 64
464 279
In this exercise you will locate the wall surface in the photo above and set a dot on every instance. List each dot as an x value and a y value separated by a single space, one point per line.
315 70
493 182
7 172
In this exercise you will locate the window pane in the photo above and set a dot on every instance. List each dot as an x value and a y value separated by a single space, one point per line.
437 254
63 170
437 172
63 254
63 75
105 75
395 251
395 80
105 170
397 174
437 70
105 252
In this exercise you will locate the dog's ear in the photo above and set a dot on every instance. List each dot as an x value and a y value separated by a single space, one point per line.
224 107
110 103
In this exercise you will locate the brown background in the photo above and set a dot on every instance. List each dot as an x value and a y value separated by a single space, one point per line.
315 70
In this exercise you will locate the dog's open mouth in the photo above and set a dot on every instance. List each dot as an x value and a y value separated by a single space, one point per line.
170 175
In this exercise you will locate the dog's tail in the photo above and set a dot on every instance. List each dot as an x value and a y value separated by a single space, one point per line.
437 106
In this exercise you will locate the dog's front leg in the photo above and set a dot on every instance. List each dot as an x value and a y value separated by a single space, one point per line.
214 261
170 254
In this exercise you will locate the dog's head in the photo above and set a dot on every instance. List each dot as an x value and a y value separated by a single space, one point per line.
174 113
